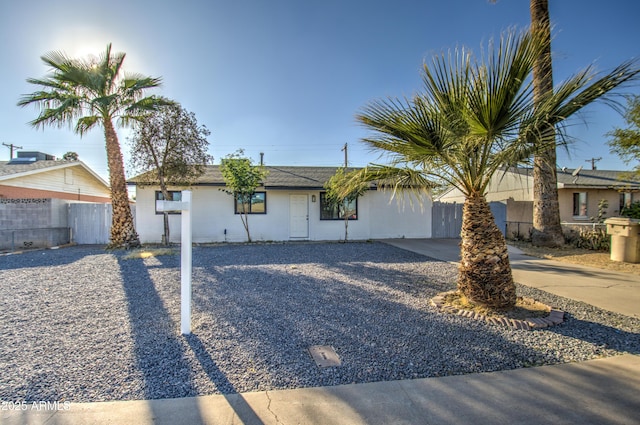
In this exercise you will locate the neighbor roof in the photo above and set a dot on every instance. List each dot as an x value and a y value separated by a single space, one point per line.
279 177
12 171
589 178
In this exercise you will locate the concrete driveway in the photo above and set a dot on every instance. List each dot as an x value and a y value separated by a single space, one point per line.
612 291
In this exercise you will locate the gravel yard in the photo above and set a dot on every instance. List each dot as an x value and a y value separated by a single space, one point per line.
81 324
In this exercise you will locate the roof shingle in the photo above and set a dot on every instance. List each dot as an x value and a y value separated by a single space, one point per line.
278 177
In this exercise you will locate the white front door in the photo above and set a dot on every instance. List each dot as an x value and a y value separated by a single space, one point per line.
298 216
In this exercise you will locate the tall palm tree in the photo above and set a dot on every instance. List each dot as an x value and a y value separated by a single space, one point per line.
473 119
95 92
547 230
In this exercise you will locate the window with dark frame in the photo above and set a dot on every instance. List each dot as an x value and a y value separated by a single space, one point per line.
176 195
256 205
337 212
580 204
626 198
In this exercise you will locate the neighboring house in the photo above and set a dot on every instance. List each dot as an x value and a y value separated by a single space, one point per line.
289 206
34 175
579 193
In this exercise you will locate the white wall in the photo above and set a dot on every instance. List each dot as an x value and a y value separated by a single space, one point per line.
399 217
212 213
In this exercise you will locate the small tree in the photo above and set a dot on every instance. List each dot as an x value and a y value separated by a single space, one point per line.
625 142
70 156
242 178
338 198
172 148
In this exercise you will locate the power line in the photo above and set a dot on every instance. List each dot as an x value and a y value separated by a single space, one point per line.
346 155
11 147
593 162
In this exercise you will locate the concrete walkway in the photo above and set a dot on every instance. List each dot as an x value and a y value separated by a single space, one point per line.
603 391
612 291
596 392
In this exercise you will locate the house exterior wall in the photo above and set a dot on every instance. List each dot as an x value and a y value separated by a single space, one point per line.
213 213
501 188
594 196
520 188
72 183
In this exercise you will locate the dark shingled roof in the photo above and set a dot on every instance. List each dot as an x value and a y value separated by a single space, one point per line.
590 178
279 177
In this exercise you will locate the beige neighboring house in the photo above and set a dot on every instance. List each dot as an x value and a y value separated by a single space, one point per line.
35 175
579 193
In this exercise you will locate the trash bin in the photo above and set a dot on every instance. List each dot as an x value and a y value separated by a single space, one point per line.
625 239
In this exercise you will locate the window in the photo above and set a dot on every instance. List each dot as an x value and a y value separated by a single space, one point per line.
176 195
337 212
580 204
626 198
256 205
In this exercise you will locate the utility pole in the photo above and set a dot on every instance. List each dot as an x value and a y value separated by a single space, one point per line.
346 155
593 162
11 147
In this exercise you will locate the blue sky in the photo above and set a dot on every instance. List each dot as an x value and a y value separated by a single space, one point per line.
286 77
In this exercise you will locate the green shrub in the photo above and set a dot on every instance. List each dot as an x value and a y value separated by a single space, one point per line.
633 211
593 239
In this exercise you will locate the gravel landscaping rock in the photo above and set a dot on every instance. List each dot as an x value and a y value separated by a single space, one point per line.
81 324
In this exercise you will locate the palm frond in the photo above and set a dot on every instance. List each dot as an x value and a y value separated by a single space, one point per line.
86 123
400 181
575 94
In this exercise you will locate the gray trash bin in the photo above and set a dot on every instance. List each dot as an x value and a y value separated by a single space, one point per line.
625 239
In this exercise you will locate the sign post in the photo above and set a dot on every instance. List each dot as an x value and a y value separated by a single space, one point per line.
185 256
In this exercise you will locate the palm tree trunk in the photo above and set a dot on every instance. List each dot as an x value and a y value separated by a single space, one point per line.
484 274
547 230
123 233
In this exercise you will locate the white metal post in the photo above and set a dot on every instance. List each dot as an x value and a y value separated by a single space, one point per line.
185 265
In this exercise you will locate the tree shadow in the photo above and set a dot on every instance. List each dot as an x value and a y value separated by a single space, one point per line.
237 402
272 313
547 266
49 257
161 353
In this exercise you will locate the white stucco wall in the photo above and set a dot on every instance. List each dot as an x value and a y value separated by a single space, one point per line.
212 213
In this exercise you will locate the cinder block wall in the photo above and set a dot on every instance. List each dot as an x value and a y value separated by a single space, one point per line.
32 223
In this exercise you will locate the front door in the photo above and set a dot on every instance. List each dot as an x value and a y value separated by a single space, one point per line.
298 216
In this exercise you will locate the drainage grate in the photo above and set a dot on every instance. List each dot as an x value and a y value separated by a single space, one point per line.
324 356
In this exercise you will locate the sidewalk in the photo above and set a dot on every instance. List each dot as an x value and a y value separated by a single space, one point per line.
603 391
596 392
612 291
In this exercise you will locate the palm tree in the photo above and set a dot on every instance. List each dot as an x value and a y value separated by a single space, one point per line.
474 118
547 230
92 92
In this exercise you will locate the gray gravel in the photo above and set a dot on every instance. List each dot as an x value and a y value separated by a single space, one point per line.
80 324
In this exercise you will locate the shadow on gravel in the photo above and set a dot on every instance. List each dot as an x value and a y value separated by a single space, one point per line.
601 336
159 351
49 257
264 312
240 406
